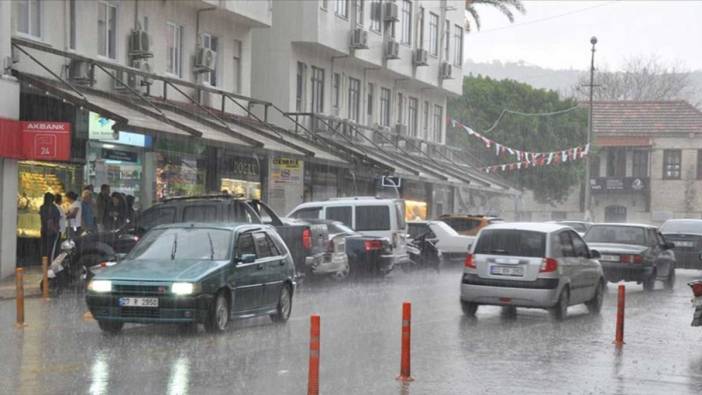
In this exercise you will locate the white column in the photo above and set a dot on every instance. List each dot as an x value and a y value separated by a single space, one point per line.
9 109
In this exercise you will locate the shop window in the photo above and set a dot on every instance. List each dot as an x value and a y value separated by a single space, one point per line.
180 174
341 214
156 216
203 213
671 164
616 163
640 164
369 218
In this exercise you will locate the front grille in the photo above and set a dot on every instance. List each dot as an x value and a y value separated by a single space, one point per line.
139 312
135 289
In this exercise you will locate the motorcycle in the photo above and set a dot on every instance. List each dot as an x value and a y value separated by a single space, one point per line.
697 302
62 272
424 253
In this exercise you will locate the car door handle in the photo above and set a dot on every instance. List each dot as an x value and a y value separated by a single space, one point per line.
281 262
259 266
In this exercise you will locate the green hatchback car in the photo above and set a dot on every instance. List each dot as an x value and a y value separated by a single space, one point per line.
193 274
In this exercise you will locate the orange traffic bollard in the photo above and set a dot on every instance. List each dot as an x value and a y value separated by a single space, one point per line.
619 337
406 331
313 377
45 277
19 282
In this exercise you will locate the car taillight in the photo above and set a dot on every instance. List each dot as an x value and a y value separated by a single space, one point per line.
696 288
548 265
330 246
469 262
371 245
631 259
307 239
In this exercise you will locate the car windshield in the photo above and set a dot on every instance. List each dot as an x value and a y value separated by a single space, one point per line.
616 234
513 242
686 227
183 243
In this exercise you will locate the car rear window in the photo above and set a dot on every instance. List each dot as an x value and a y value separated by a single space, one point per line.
511 242
200 213
616 234
156 216
682 226
370 218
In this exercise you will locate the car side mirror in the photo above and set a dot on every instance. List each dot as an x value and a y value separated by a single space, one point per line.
246 258
594 254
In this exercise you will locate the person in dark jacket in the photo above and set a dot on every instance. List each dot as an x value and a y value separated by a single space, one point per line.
102 204
50 230
130 208
116 214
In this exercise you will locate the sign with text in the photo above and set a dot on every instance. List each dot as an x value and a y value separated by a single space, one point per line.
611 184
49 141
100 128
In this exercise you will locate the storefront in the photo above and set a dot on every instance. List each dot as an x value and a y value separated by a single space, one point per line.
321 182
181 167
240 175
417 198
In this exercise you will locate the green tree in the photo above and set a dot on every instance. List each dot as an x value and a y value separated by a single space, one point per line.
483 101
505 6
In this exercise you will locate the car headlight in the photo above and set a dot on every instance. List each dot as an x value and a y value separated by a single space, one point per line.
183 288
100 286
68 245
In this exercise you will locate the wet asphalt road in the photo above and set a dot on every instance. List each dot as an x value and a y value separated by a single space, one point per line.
61 353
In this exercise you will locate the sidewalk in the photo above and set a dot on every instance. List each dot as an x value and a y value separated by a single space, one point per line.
32 278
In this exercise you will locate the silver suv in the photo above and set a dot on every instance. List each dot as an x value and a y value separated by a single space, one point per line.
531 265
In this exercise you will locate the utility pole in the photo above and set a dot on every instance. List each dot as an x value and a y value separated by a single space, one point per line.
588 214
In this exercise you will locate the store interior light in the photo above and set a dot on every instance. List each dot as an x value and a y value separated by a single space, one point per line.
109 146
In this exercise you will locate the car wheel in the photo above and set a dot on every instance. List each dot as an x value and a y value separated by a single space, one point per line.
670 281
218 317
560 310
649 283
284 307
344 273
469 309
595 304
111 327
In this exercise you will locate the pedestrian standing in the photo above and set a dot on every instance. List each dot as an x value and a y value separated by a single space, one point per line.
102 204
87 211
130 208
63 223
50 217
116 212
74 214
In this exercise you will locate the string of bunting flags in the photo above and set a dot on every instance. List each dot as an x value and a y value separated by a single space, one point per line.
525 159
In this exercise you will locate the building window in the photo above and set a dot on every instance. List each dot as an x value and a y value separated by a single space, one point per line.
699 164
323 4
29 17
412 116
359 8
458 45
420 28
616 162
107 26
72 24
385 106
594 166
406 22
337 91
640 164
237 66
671 164
438 116
433 34
400 107
354 98
370 103
317 90
300 87
174 43
211 42
342 8
426 120
447 41
375 15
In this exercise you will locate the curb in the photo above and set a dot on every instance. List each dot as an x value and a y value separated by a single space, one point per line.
28 293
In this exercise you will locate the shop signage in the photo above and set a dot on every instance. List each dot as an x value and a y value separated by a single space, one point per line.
391 181
241 167
100 128
115 154
49 141
287 163
134 139
612 184
10 139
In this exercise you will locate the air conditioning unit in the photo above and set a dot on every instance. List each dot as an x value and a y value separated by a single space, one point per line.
391 12
392 50
79 72
140 44
420 57
401 129
205 60
359 39
132 80
446 71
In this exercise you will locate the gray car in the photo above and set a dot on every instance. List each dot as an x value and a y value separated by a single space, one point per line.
537 265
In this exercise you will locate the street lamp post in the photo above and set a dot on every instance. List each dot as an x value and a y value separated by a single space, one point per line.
588 215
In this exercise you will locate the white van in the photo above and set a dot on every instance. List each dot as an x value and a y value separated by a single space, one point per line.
369 216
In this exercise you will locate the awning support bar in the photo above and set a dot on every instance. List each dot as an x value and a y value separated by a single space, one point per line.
71 87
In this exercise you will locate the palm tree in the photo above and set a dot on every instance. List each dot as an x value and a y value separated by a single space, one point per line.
502 5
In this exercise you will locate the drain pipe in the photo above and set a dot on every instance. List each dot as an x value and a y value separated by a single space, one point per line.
197 23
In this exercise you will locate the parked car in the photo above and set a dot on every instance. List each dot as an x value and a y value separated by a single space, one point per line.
468 225
579 226
453 247
369 216
632 252
196 274
531 265
306 242
363 254
686 235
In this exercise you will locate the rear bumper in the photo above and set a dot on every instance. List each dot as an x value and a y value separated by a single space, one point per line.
453 257
542 293
327 263
184 309
614 272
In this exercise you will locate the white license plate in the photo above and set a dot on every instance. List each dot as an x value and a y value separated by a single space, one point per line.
610 258
517 271
684 243
138 302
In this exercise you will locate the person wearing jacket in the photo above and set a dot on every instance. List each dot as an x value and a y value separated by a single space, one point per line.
50 231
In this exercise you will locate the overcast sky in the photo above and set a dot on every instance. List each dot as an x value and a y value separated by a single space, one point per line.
556 34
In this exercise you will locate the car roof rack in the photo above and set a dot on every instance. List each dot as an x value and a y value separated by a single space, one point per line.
195 197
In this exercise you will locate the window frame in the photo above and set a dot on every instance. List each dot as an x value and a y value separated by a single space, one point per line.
699 164
300 82
400 108
342 12
207 40
639 163
437 121
419 42
317 89
433 34
412 116
354 104
359 11
336 91
29 18
175 32
385 99
406 23
72 24
237 62
675 173
427 116
370 103
376 24
447 41
110 50
458 45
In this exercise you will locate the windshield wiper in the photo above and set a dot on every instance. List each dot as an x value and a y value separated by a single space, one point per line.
175 247
211 246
